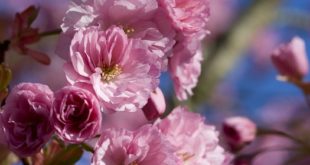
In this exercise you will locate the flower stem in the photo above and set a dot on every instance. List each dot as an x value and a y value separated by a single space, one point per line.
4 46
24 161
60 142
87 147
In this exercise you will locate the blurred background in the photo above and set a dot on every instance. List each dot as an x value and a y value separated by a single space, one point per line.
237 76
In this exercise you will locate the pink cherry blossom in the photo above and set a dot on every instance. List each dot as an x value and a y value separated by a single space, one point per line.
76 114
185 67
238 131
196 142
121 71
155 106
139 19
291 59
145 146
188 16
25 118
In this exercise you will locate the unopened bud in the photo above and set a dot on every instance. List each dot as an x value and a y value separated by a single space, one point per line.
291 59
155 106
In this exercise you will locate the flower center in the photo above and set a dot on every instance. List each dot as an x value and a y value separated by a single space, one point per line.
134 163
128 30
110 72
185 156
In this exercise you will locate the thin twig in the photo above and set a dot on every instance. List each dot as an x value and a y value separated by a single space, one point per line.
4 46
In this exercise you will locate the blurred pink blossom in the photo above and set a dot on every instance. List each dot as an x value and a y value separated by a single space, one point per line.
185 67
222 15
262 45
291 59
155 106
277 114
238 131
121 72
26 118
196 143
188 16
278 153
76 114
145 146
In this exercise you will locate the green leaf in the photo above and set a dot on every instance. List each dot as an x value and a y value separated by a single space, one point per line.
31 14
6 157
5 77
68 155
87 147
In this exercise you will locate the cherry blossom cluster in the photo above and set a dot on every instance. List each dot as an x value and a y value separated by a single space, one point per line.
115 52
158 35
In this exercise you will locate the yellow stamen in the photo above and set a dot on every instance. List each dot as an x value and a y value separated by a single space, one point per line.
185 156
128 30
134 163
110 72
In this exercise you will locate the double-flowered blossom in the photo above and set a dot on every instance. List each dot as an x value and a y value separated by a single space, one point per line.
196 143
188 16
140 19
76 114
121 71
145 146
291 59
25 118
185 67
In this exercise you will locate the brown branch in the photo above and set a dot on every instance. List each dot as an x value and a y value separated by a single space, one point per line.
4 46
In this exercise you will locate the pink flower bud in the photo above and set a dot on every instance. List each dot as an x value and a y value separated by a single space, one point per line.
238 131
155 106
291 59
